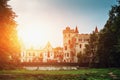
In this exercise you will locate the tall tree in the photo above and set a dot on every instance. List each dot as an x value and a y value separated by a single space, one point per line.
109 40
91 48
9 44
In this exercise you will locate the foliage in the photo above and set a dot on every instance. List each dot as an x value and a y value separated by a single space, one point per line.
104 48
80 57
91 48
9 44
109 40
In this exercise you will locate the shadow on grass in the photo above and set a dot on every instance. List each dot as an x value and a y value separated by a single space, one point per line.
89 76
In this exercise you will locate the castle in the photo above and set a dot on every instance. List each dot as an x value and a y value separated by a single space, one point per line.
47 54
73 44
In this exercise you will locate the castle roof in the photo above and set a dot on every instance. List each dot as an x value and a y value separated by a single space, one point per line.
48 45
76 30
84 36
96 30
68 30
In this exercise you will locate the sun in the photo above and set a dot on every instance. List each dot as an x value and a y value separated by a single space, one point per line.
32 36
38 35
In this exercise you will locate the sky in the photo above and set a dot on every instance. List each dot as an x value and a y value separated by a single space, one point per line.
40 21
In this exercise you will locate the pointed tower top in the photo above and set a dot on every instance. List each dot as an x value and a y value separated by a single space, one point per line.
76 30
48 45
96 30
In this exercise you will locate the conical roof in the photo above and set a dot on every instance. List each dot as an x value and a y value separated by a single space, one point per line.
96 30
48 45
76 30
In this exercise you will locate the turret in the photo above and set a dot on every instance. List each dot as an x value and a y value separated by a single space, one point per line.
76 30
96 30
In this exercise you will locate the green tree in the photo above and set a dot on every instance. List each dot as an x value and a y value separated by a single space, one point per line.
80 57
91 48
109 40
9 44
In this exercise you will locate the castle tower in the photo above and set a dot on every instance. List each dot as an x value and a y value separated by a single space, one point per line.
69 44
74 44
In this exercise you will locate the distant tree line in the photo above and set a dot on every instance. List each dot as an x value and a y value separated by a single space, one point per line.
103 49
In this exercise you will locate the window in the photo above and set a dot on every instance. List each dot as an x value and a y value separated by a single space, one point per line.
69 35
71 46
48 54
86 39
65 47
33 54
80 45
67 54
75 39
80 40
40 54
69 41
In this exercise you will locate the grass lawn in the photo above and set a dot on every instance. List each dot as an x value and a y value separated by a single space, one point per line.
81 74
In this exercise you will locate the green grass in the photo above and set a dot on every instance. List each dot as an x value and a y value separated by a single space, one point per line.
81 74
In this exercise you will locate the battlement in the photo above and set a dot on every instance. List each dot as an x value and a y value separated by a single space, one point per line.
69 30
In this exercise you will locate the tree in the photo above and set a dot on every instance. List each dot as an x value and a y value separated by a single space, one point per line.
80 57
109 40
91 48
9 43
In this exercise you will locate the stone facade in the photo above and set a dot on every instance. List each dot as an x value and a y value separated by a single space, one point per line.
48 54
73 43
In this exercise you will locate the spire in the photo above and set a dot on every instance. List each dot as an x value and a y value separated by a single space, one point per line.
96 30
76 30
48 45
